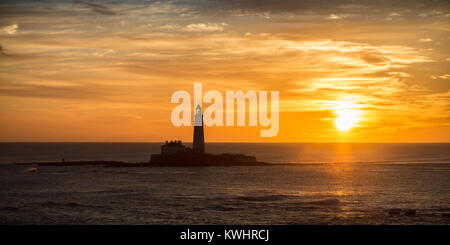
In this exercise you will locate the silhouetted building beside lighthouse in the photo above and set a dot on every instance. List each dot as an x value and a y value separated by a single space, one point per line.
172 148
199 138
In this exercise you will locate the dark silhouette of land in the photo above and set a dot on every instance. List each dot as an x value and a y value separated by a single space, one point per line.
185 160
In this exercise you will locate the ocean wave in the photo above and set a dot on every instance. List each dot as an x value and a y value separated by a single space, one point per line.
443 209
9 209
325 202
399 211
67 204
264 198
222 208
290 198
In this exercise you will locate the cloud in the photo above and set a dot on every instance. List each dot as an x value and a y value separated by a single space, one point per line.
205 27
374 59
49 92
97 8
425 40
325 7
2 51
196 27
170 27
11 29
431 13
104 52
445 77
399 74
337 17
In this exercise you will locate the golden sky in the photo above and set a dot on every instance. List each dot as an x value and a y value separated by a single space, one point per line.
347 71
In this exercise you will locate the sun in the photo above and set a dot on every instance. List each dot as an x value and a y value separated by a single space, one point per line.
347 119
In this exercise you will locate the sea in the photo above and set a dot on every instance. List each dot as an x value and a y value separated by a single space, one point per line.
308 183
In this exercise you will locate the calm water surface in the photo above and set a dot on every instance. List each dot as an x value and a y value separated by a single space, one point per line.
318 184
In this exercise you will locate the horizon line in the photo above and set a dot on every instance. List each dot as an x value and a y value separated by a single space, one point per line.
242 142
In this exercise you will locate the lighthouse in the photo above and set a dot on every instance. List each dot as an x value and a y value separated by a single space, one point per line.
199 138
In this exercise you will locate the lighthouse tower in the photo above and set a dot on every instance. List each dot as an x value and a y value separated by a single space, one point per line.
199 138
